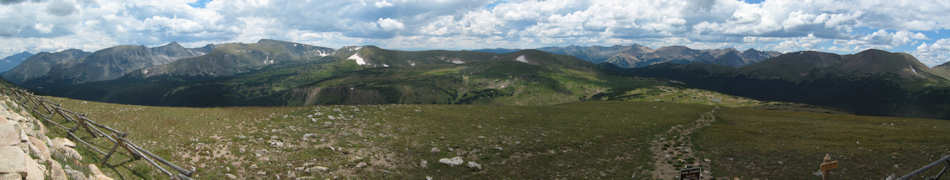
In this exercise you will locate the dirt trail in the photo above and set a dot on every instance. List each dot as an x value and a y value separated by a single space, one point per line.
674 150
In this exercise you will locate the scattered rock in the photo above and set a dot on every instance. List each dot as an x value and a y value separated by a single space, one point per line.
56 171
96 174
39 148
8 133
428 177
474 165
435 150
309 136
74 174
15 161
455 161
318 168
361 165
63 147
230 176
424 164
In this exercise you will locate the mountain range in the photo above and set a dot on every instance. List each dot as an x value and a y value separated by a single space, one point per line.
11 61
634 56
871 82
272 72
943 70
279 73
76 66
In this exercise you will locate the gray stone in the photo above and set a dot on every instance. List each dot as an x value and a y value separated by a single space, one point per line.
474 165
96 174
63 148
455 161
318 168
39 148
56 171
74 174
16 161
8 133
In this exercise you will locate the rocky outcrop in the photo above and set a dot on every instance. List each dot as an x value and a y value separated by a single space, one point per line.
27 153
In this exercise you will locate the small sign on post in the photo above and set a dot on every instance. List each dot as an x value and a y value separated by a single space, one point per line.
691 174
826 165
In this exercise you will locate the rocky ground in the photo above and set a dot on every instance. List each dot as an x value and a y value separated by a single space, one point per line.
674 150
27 153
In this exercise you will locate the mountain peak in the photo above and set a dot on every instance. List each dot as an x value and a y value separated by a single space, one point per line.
173 44
24 53
272 41
873 52
946 64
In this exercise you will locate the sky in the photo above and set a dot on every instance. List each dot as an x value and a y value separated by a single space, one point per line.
918 27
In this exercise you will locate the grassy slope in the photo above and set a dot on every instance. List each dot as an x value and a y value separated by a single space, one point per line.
592 139
569 140
756 143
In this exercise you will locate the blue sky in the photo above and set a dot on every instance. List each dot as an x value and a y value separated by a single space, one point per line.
918 27
199 3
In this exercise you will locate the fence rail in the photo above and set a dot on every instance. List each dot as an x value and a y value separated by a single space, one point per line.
48 111
945 160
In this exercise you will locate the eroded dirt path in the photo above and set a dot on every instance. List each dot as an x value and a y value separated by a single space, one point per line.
673 150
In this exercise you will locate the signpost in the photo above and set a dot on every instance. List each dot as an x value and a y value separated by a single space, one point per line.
826 165
691 174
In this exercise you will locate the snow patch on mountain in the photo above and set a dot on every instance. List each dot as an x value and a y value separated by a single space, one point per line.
359 60
521 59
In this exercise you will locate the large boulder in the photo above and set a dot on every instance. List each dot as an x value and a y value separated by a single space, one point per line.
96 174
56 171
39 149
455 161
63 148
9 135
15 161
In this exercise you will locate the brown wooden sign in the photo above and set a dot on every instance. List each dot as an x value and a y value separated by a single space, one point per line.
691 174
826 166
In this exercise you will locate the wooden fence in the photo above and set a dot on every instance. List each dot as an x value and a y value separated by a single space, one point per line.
945 161
75 124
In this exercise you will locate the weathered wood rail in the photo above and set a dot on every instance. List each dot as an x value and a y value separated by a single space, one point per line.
945 160
48 112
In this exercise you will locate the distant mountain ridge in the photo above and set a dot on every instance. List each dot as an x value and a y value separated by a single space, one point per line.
272 72
233 58
634 56
943 70
39 65
284 73
76 66
811 64
871 82
11 61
